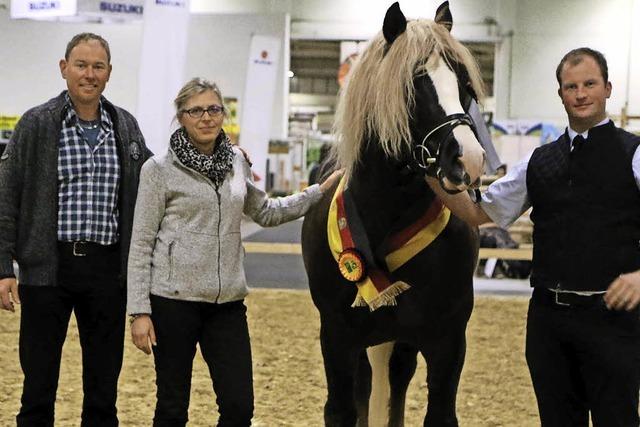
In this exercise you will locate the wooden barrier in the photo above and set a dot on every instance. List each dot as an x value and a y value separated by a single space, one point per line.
523 253
273 248
504 253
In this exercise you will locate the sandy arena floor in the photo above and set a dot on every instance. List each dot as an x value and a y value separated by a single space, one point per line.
495 389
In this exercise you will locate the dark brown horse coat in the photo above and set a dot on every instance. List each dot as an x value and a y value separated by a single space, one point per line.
389 190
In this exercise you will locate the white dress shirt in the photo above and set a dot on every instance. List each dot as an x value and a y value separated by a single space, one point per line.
507 198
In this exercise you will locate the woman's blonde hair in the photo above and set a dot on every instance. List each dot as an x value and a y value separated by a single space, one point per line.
196 86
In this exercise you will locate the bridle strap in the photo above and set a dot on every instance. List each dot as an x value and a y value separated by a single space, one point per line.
429 162
450 122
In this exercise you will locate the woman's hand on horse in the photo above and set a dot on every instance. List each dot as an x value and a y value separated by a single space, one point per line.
142 333
331 180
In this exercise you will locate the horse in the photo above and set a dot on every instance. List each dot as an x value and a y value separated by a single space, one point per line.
399 120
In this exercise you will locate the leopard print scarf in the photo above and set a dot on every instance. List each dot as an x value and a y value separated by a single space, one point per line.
215 167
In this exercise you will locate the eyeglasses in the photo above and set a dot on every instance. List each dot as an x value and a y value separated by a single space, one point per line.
198 112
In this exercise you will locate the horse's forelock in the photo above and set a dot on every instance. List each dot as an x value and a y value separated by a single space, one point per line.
379 94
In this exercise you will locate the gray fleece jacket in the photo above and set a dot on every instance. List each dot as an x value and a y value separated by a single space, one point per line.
29 190
186 241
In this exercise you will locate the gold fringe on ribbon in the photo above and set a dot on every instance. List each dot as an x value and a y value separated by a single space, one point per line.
385 298
368 295
359 301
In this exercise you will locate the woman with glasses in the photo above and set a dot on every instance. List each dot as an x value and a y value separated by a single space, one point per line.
186 282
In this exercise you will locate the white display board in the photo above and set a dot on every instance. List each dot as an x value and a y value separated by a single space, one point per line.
257 106
163 55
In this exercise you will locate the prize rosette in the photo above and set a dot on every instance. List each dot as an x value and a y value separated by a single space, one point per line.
351 265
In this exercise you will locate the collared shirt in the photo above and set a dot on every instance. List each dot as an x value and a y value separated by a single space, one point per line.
507 198
88 182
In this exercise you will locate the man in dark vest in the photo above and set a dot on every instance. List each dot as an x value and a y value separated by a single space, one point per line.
68 185
583 329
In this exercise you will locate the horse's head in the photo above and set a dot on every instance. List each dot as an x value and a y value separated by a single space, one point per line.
443 133
411 90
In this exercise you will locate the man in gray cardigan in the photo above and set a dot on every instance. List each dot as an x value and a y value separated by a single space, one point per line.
68 183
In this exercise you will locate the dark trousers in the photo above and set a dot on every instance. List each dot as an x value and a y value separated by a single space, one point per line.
223 335
88 286
581 360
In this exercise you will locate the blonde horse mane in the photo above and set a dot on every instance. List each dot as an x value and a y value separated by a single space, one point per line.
380 93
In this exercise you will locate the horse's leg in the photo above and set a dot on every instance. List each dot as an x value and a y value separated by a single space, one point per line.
402 366
445 358
340 363
379 401
392 366
362 389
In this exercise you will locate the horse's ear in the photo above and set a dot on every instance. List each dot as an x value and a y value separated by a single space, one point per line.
443 16
394 23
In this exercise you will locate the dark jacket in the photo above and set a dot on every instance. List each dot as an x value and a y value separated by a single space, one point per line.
29 190
586 211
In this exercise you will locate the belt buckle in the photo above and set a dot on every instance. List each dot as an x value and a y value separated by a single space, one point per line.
557 301
76 247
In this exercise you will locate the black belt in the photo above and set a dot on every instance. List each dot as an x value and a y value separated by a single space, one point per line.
81 249
566 299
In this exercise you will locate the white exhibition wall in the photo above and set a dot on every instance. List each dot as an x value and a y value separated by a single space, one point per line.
30 52
545 30
531 37
218 50
336 19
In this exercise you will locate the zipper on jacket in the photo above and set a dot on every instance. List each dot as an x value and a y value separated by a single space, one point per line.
171 260
219 244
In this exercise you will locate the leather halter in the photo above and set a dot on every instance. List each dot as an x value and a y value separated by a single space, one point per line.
427 153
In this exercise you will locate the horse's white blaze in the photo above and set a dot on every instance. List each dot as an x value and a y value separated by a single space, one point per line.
446 86
380 399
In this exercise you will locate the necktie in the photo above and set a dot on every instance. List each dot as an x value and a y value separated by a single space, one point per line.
577 143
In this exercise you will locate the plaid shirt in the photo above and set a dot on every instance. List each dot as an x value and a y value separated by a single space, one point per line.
88 181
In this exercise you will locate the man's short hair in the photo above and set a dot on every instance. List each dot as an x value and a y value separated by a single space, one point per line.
85 37
576 56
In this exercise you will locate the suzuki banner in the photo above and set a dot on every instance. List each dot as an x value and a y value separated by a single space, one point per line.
259 95
115 10
90 10
39 9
